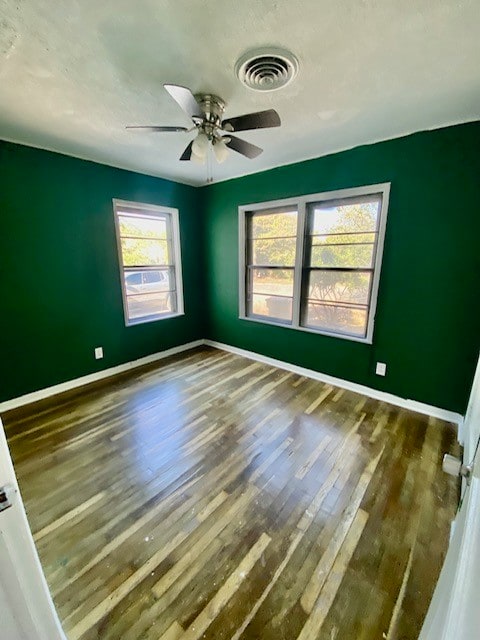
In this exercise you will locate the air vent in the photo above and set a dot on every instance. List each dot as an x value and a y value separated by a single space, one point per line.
266 69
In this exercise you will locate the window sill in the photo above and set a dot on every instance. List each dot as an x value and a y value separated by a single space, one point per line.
330 334
148 319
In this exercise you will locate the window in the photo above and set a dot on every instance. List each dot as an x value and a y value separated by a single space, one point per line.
271 263
313 262
149 253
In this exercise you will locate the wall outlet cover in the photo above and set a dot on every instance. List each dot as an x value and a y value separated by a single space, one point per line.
98 353
381 369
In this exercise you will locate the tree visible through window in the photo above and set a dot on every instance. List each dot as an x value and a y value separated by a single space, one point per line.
339 263
327 282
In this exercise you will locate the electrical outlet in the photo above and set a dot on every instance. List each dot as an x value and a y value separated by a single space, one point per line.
381 369
98 353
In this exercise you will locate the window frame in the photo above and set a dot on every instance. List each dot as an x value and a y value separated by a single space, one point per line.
150 210
302 204
268 211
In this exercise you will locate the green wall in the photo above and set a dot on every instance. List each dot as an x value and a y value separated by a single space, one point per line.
427 322
60 282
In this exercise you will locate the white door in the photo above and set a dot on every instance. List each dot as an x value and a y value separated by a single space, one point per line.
27 610
471 426
454 612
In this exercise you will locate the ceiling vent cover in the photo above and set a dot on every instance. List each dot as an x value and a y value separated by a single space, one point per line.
266 69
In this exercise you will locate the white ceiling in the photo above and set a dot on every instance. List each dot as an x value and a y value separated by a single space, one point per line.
74 73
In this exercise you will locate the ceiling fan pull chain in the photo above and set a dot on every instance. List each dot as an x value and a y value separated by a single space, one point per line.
209 164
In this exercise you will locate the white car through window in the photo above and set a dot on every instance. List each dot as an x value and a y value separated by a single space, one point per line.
146 281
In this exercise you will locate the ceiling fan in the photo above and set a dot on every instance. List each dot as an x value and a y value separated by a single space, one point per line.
206 111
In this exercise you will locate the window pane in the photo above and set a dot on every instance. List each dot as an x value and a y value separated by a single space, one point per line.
344 238
142 227
272 281
279 252
144 252
271 307
340 286
149 281
150 305
345 218
339 256
336 318
274 225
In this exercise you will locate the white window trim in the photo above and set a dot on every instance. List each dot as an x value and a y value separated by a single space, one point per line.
155 209
302 203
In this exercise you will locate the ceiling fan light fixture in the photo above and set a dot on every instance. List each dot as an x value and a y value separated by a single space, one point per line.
198 159
200 145
220 150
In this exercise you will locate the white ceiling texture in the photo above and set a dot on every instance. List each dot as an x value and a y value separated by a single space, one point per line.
73 73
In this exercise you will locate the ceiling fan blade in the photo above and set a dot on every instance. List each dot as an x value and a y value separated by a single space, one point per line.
187 154
242 146
258 120
185 98
154 128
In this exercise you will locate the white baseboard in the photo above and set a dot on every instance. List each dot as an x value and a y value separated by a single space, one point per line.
413 405
93 377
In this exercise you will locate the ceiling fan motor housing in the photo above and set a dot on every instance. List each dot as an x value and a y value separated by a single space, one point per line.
213 108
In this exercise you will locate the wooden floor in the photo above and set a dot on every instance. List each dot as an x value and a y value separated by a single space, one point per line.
214 497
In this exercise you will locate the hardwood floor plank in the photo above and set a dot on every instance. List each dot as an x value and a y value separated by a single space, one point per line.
106 605
174 632
392 629
217 527
226 592
302 472
323 568
316 403
197 581
107 548
212 505
274 611
70 515
322 605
